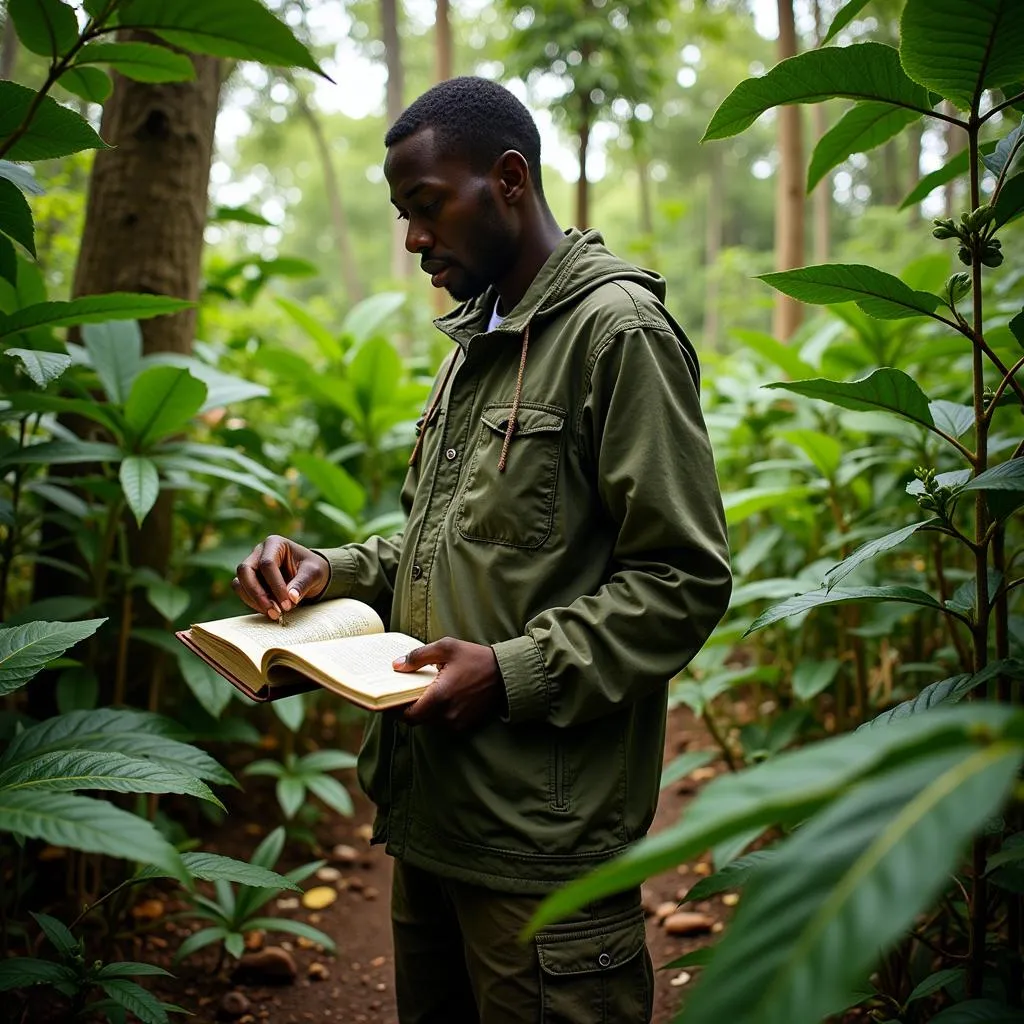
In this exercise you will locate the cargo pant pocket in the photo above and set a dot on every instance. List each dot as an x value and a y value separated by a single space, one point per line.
596 972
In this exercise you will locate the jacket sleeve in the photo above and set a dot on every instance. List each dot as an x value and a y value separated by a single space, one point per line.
668 582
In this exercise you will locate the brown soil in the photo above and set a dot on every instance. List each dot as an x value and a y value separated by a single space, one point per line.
355 984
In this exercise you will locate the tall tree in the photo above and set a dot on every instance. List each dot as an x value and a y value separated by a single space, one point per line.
789 206
395 103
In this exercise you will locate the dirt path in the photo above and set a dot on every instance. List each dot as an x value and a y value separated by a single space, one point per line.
355 985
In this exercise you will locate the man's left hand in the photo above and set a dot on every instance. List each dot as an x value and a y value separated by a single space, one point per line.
467 690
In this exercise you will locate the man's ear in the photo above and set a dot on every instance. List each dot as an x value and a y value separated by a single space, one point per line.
513 176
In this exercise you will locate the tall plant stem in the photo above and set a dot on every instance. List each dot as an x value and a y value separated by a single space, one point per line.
723 743
121 669
11 541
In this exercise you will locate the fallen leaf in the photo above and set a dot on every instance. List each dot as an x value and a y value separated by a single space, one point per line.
319 897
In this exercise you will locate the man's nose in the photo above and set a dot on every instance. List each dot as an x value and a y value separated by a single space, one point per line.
417 239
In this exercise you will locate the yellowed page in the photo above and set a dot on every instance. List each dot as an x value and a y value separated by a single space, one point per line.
253 635
359 667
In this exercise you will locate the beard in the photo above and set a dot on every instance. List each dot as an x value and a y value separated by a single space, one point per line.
492 253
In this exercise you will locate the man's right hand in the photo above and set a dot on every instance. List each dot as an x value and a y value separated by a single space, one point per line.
279 574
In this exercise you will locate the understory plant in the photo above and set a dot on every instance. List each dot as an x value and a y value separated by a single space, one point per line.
896 885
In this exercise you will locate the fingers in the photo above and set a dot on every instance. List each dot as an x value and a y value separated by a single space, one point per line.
274 555
310 577
258 581
437 653
429 706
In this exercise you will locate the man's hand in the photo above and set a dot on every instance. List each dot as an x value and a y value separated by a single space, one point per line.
467 690
278 575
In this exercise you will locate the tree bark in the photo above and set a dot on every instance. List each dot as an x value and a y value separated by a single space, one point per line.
583 182
8 49
339 220
443 40
789 206
400 265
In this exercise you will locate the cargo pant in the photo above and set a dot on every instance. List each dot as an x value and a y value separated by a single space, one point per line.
459 960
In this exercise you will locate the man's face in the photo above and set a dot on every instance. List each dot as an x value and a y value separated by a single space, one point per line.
457 224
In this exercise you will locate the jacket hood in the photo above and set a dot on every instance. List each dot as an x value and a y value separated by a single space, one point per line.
578 265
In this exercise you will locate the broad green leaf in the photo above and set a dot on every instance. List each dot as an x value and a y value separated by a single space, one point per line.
843 17
115 352
818 598
70 770
373 373
42 367
1016 326
327 761
99 412
681 766
867 71
286 924
212 867
783 356
887 389
140 482
163 399
784 790
695 958
53 453
142 62
867 551
978 1011
998 159
57 932
24 650
952 168
859 130
1011 853
77 689
878 294
240 215
199 940
1010 201
131 969
291 794
935 983
334 482
332 792
206 684
811 677
22 177
181 464
243 29
328 344
958 49
8 261
82 823
59 608
53 130
46 27
16 216
741 505
23 971
167 598
1007 476
91 84
733 876
89 310
824 451
951 417
221 388
137 1000
366 318
814 920
136 733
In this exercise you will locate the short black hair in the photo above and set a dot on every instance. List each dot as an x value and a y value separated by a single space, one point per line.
475 116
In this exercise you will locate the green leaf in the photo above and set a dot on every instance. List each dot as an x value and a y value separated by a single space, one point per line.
811 677
328 344
285 924
243 29
140 482
163 399
843 18
824 451
733 876
137 1000
775 352
978 1011
935 983
366 318
952 168
1010 201
22 177
82 823
206 684
1007 476
142 62
951 417
878 294
814 920
860 129
131 969
77 689
958 49
46 27
213 867
867 71
1011 853
8 261
695 958
70 770
54 453
167 598
741 505
42 367
91 84
336 484
16 216
24 650
115 352
291 794
327 761
1016 326
199 940
332 792
869 550
177 463
681 766
998 159
57 932
784 790
886 389
221 388
89 310
241 215
818 598
53 130
23 971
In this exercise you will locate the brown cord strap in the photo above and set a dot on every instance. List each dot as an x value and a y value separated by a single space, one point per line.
510 429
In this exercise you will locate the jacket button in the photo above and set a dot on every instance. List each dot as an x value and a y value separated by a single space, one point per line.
604 960
451 454
417 572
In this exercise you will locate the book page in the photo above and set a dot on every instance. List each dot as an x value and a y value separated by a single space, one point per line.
255 634
361 665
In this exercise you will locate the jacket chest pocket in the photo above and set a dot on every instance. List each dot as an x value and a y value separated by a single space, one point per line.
517 507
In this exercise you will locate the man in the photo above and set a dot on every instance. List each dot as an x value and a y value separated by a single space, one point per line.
565 555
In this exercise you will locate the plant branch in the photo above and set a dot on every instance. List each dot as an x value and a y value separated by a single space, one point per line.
1001 106
1007 381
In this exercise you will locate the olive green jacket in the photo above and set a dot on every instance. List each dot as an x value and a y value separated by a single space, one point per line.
595 565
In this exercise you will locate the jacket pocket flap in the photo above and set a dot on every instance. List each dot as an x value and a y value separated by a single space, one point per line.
598 947
528 421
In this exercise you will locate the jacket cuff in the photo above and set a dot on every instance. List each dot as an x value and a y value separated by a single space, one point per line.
342 565
526 681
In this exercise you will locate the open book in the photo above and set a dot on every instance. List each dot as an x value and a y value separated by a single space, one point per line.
339 645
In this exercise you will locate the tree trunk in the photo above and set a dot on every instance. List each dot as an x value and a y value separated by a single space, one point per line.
712 247
339 221
443 37
8 49
400 265
789 206
583 182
